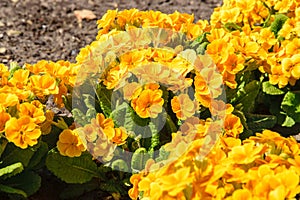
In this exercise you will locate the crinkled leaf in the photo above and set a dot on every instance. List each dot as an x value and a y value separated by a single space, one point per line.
120 165
39 156
270 89
291 105
11 170
246 96
13 154
163 155
27 181
105 100
278 23
139 159
72 170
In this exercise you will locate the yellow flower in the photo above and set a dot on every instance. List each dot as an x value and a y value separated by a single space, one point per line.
292 65
37 68
219 50
183 106
43 85
247 153
8 99
241 194
70 144
106 22
33 111
20 78
278 77
4 117
148 103
114 76
229 15
22 132
128 17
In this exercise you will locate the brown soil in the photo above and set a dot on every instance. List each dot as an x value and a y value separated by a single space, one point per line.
31 30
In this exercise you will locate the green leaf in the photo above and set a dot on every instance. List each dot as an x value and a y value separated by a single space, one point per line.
121 116
11 170
39 156
13 154
139 159
246 96
79 117
72 170
75 190
3 143
278 23
288 122
104 96
120 165
11 190
270 89
27 181
257 122
232 26
291 105
163 155
155 137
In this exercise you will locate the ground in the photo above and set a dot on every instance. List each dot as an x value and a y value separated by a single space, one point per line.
31 30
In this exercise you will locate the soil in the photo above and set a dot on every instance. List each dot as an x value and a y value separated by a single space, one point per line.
31 30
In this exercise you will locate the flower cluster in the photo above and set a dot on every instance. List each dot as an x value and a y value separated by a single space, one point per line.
264 166
23 92
101 138
114 21
150 96
261 33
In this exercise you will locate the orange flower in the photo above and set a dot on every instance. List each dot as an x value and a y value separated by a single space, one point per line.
4 117
46 125
43 85
70 144
22 132
33 111
120 136
233 126
183 106
134 192
103 122
148 103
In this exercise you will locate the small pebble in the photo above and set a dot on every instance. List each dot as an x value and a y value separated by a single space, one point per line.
2 50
